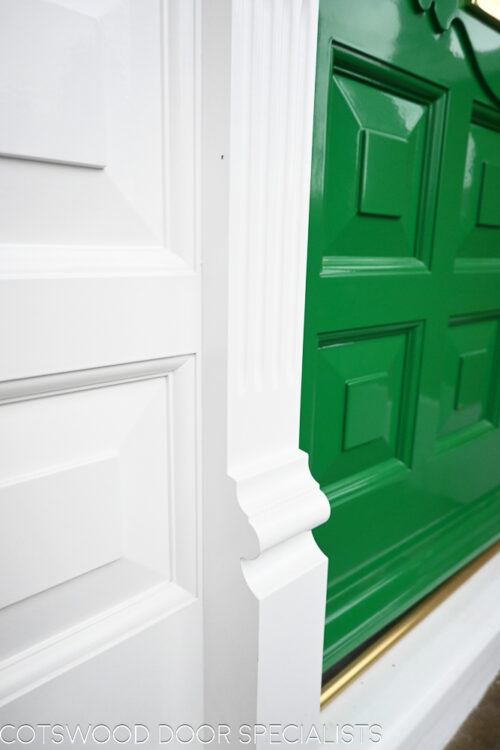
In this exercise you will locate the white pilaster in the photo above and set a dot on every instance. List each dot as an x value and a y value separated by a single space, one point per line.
264 576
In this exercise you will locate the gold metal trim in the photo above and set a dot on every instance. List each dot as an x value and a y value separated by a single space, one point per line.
359 665
487 9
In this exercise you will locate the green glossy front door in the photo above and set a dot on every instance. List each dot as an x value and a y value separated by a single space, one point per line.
401 384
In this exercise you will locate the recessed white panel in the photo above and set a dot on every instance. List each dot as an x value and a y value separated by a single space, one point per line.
51 106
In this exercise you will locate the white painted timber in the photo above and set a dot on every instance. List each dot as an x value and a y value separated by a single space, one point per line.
50 62
424 687
57 525
100 515
265 577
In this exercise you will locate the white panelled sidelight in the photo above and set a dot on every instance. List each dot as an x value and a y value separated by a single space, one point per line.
157 565
100 496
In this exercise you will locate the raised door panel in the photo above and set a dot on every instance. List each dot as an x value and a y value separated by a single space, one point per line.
81 119
366 385
469 394
378 185
480 214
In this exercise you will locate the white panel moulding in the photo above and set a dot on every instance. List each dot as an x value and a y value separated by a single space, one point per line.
265 578
109 452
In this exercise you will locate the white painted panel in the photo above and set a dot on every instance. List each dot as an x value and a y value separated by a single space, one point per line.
84 479
50 84
99 331
58 525
83 85
139 416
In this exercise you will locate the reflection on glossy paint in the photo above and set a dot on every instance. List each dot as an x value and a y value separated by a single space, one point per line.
469 162
407 113
389 11
455 46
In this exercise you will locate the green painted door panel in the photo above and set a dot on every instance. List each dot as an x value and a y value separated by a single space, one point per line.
401 383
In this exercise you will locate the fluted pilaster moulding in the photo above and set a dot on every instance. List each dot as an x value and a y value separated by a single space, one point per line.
272 91
265 588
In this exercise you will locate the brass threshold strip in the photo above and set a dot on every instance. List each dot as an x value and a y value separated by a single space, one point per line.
362 662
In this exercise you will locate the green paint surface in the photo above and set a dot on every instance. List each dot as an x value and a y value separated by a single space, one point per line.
401 378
